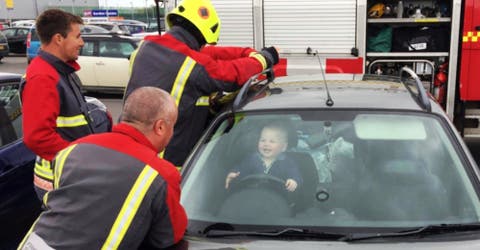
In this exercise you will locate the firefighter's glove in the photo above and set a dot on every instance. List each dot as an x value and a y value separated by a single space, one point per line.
271 56
218 100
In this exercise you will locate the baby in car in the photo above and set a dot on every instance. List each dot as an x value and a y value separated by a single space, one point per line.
270 159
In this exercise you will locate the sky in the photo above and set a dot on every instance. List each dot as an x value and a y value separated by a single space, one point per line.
126 3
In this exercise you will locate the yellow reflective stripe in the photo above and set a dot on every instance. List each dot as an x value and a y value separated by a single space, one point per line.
59 163
28 234
45 199
202 101
179 168
71 121
43 169
261 59
181 79
133 55
130 207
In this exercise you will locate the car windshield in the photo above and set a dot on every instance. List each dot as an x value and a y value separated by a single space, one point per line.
354 169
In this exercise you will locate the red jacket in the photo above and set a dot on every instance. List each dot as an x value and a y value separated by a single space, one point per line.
175 63
52 117
112 190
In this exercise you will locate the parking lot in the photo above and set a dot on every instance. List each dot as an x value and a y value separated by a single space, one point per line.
18 63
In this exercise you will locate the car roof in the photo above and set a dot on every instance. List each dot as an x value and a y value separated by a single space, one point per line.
112 36
9 77
309 92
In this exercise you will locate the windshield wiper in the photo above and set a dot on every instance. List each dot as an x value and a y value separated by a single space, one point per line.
290 232
419 231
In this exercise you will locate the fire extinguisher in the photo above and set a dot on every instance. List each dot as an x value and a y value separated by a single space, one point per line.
440 83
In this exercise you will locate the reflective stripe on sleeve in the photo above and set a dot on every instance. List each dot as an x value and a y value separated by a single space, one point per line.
59 163
181 79
260 59
130 208
202 101
71 121
43 169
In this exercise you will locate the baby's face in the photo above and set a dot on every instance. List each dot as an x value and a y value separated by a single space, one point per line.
272 142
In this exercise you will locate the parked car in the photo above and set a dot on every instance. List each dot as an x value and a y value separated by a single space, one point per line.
23 23
121 28
104 62
17 38
20 205
4 49
153 25
33 44
381 167
93 29
3 26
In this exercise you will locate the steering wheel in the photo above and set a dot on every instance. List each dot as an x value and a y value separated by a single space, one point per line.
256 194
260 180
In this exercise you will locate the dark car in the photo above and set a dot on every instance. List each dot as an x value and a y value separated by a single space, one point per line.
19 205
4 49
17 39
381 167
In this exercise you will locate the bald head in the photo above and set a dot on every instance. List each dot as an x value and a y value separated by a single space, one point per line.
146 105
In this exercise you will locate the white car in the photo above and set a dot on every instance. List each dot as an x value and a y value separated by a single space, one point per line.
104 62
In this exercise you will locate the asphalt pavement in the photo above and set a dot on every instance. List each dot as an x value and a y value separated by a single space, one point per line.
18 63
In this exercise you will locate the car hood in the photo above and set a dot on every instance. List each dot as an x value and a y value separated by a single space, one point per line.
251 244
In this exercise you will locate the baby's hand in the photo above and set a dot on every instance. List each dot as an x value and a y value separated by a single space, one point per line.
230 177
291 185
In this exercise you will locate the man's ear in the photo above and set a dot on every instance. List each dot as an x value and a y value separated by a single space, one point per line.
57 38
159 126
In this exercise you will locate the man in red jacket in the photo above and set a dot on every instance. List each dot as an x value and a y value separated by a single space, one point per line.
180 63
53 106
111 190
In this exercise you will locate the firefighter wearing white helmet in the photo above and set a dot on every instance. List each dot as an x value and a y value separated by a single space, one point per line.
180 63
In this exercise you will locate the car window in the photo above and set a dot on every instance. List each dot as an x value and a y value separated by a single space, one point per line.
22 32
9 32
88 48
349 176
132 29
10 113
115 49
3 39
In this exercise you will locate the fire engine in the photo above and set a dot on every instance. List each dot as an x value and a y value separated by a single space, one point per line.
439 39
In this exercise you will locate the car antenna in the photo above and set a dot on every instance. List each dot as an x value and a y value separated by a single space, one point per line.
157 13
329 101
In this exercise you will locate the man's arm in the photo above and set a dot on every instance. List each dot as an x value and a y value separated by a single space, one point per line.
227 53
41 107
237 70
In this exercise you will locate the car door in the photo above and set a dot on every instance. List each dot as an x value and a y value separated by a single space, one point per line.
113 71
88 59
19 204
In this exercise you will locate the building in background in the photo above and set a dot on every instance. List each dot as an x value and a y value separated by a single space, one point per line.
13 10
29 9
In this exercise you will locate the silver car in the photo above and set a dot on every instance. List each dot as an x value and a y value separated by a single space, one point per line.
380 167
